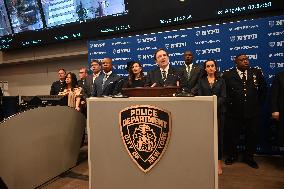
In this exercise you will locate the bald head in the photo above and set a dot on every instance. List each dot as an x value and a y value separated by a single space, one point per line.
188 57
107 65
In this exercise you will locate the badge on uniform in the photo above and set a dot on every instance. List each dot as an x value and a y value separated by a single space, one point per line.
145 131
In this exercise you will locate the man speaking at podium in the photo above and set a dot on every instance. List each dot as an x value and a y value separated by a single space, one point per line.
164 75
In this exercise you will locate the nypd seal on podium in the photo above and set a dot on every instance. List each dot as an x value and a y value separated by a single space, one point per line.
145 131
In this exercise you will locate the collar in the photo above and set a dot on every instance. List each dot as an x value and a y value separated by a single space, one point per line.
188 66
240 72
108 73
97 74
166 69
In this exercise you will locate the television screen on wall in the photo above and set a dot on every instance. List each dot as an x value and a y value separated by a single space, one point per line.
58 12
5 27
41 22
24 15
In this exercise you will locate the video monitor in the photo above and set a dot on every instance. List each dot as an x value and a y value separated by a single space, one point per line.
58 12
24 15
5 27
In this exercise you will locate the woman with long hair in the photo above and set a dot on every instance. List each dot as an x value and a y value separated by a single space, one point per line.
72 90
210 84
136 77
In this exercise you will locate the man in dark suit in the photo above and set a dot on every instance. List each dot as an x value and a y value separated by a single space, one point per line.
83 81
96 68
82 77
108 83
277 104
164 75
246 91
190 72
58 85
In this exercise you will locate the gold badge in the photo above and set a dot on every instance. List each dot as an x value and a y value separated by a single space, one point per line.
145 131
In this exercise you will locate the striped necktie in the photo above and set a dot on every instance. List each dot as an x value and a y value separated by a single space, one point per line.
104 80
164 75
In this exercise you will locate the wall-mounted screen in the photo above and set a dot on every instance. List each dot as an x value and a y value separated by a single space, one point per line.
24 15
5 28
66 20
58 12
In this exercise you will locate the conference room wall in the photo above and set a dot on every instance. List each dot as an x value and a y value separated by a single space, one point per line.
35 78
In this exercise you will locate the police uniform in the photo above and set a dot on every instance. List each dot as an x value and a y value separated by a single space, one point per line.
57 87
246 92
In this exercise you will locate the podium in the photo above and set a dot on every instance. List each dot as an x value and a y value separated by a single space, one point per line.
150 91
189 161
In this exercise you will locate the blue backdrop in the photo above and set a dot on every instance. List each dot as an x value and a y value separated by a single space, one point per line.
261 39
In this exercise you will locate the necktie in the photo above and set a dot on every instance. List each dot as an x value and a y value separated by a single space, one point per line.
104 80
244 76
164 75
188 71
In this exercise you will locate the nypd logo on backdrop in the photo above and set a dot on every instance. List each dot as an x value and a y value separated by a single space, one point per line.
261 39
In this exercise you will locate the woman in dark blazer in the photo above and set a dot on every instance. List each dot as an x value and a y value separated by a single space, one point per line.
136 77
211 83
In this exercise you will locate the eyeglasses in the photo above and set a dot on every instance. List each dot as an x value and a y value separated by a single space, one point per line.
81 72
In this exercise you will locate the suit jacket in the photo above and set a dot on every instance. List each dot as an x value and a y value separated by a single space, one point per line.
277 93
1 93
244 102
82 84
190 83
112 85
56 87
155 76
218 89
87 85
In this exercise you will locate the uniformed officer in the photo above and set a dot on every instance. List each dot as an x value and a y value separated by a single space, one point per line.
246 91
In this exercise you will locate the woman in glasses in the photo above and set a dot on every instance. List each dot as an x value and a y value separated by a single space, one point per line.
211 83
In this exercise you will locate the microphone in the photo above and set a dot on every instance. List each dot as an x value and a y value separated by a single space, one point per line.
119 86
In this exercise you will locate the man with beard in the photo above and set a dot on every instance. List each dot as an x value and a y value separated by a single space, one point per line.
246 91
